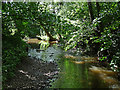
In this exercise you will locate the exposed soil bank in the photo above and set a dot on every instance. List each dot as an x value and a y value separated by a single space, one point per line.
32 73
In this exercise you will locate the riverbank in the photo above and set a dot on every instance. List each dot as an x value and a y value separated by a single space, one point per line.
41 69
33 74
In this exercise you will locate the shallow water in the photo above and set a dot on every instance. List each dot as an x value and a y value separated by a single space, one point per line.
76 71
50 54
76 76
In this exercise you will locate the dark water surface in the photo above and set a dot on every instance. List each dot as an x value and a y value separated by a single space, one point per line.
76 76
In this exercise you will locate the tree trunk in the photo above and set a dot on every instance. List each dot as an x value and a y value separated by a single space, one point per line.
119 5
100 27
94 46
98 8
119 9
48 34
100 24
90 10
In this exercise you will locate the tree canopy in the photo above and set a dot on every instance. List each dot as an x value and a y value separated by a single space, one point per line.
89 27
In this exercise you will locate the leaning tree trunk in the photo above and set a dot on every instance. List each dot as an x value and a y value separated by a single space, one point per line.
48 34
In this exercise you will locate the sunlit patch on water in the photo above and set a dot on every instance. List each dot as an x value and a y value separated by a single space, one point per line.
88 58
99 70
83 62
70 56
34 40
80 57
108 76
78 62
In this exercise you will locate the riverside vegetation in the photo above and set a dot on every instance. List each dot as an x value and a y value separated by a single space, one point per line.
86 28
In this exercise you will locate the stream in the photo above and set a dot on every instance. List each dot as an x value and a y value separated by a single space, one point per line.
75 71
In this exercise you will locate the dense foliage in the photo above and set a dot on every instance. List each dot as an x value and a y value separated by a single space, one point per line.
91 28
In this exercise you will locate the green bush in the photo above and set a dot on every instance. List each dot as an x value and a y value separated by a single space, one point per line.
12 54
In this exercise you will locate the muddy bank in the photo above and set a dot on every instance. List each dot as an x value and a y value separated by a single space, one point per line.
33 73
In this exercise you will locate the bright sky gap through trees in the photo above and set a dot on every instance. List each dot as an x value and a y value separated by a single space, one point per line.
60 0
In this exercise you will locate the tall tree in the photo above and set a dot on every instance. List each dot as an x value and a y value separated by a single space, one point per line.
90 10
98 8
99 27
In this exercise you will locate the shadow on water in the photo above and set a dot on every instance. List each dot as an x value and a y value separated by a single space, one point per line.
76 76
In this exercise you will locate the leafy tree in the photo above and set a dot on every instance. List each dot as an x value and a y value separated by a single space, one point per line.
90 27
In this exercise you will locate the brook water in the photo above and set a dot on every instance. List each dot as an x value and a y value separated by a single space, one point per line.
76 71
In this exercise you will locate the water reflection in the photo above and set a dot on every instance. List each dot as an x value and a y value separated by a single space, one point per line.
75 76
84 74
